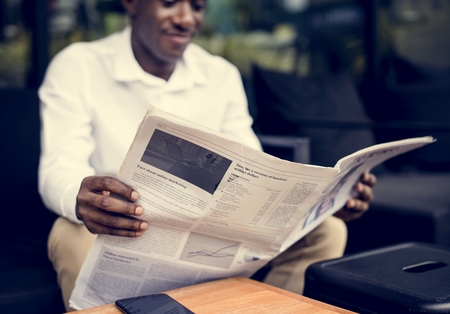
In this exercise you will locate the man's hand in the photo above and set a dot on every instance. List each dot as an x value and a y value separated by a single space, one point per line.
104 214
356 207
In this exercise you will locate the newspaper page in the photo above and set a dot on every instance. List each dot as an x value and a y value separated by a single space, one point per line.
340 189
216 208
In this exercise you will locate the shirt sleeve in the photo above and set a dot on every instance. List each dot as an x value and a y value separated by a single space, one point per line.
238 122
66 134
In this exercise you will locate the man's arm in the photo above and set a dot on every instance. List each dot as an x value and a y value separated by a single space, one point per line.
66 135
237 121
67 181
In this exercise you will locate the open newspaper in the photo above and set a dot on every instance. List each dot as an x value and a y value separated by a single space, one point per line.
216 208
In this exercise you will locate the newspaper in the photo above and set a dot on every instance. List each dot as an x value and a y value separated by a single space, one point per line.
216 208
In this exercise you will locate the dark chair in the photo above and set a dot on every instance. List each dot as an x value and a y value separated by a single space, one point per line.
28 281
290 148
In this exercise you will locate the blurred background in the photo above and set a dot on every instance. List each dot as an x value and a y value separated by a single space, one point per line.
345 74
367 38
364 37
382 46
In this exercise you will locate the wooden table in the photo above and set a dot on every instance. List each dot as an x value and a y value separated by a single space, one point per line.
237 295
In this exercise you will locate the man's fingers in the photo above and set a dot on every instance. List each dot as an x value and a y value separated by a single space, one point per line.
100 184
98 221
365 192
96 228
369 179
107 202
356 205
115 205
353 209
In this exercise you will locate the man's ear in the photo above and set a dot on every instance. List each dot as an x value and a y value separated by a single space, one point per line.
130 6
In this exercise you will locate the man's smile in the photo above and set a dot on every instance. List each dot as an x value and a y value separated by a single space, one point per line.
180 38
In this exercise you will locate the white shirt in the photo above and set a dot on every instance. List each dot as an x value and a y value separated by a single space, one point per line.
95 94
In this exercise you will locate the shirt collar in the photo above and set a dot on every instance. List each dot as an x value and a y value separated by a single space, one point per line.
125 67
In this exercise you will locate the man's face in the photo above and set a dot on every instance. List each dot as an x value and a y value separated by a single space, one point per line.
164 28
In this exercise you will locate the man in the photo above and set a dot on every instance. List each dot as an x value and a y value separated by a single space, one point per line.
92 100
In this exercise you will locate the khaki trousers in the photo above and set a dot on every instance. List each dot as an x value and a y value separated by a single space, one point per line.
69 244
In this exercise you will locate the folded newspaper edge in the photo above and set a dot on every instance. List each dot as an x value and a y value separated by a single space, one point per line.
216 208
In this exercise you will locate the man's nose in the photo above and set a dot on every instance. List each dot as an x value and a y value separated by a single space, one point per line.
185 15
